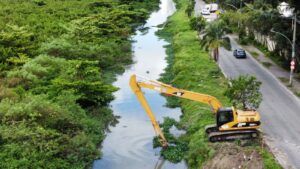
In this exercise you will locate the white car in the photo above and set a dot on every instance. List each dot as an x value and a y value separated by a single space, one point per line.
205 11
208 7
213 7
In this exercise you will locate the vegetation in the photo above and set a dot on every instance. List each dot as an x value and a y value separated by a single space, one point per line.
254 54
198 23
267 64
213 37
268 160
298 94
190 68
190 8
244 92
56 61
177 146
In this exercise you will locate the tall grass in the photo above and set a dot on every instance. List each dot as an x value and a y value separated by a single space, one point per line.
191 68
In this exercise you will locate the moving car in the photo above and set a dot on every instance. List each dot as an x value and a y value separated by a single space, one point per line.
205 11
239 53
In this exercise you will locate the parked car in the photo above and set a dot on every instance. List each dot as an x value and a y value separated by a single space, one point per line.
239 53
207 6
205 11
213 7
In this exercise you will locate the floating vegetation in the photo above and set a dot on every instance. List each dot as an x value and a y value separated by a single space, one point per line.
177 147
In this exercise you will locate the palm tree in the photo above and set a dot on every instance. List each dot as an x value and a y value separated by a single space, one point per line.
213 37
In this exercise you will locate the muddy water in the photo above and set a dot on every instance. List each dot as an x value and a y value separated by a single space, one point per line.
129 144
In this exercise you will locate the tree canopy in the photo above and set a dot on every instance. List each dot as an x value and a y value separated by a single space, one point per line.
56 61
214 37
244 92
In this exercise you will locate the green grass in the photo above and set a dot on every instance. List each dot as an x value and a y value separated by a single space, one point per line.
191 68
283 79
298 94
267 64
254 54
268 160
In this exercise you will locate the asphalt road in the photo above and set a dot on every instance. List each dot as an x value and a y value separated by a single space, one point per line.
199 5
280 109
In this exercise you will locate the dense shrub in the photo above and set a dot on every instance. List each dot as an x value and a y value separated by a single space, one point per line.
56 58
16 43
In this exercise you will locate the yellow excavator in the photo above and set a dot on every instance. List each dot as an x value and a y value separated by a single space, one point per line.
230 123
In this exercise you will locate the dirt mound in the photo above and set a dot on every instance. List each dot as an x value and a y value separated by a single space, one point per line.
231 156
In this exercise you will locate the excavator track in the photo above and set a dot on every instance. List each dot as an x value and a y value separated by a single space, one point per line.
232 135
211 128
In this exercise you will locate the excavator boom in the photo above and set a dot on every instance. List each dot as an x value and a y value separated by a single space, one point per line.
138 92
170 90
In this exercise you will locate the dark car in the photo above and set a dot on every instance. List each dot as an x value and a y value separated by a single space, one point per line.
239 53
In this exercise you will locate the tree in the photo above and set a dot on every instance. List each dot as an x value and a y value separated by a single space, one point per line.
295 3
198 23
213 37
244 92
190 8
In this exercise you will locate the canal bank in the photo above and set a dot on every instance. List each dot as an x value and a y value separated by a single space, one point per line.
191 68
128 145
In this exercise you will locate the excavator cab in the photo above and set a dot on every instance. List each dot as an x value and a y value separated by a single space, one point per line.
224 115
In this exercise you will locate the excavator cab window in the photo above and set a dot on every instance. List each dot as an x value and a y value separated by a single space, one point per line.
224 116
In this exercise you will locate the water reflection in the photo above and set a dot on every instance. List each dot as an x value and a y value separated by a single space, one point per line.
129 145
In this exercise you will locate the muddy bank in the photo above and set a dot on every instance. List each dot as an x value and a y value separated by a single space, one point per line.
229 155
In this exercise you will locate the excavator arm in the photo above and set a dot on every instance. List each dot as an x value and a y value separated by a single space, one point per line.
168 90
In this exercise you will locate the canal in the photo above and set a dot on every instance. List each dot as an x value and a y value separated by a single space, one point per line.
129 144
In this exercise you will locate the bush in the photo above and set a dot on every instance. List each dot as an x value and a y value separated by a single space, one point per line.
176 147
54 95
197 23
38 133
244 92
40 2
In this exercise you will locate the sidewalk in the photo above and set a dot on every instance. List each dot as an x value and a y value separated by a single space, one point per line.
277 71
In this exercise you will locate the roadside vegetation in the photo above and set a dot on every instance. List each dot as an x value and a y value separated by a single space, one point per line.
57 59
191 68
244 93
214 37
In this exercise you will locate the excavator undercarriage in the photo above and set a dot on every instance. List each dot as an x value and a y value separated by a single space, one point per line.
214 135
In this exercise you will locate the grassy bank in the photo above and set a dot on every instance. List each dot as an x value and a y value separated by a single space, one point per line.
57 58
191 68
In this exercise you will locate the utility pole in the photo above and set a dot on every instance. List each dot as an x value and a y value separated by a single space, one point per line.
293 49
241 4
241 1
